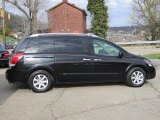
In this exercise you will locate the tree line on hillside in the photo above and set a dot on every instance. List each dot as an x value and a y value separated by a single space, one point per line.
146 15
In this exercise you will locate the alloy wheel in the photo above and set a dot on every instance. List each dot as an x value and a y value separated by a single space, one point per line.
137 77
40 82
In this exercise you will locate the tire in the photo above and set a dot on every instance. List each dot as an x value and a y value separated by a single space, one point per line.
40 81
136 77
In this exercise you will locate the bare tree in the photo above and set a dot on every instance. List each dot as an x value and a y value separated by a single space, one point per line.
30 9
147 15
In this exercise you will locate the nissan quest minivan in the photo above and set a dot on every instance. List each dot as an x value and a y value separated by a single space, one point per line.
44 60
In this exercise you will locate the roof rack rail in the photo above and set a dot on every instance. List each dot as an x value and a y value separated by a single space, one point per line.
41 34
45 34
92 34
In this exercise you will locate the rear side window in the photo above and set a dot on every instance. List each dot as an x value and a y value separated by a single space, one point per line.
21 46
71 45
40 45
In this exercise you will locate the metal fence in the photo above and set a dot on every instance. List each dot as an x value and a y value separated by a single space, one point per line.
139 43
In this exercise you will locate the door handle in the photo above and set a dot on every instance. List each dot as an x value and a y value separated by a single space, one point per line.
86 59
97 59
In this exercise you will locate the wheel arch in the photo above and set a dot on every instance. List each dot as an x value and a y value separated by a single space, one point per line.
45 68
129 72
136 65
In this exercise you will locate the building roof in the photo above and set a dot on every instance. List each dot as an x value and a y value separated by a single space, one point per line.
72 5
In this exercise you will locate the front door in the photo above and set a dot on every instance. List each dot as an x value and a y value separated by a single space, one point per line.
107 65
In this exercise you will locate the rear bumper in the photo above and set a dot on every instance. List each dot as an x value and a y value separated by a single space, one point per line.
15 76
4 62
151 73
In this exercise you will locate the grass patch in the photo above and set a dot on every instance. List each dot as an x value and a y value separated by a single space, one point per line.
152 56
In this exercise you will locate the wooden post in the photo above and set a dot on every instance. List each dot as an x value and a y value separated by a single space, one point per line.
3 19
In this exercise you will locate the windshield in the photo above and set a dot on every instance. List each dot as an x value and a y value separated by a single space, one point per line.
1 48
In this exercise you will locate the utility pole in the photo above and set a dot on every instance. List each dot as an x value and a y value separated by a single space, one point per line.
3 18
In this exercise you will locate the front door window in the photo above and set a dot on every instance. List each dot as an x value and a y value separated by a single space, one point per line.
103 48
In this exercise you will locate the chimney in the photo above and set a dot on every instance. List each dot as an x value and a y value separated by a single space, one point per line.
65 0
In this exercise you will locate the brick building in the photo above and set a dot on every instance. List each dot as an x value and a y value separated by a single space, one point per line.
67 18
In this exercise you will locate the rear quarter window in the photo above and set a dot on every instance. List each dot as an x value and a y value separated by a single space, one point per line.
41 45
22 44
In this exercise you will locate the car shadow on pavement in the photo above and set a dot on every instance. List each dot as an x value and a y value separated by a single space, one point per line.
7 90
88 85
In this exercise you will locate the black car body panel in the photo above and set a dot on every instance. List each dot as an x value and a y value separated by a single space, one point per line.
3 51
80 64
4 62
72 68
10 45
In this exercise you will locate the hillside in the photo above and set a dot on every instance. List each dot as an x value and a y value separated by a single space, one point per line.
124 28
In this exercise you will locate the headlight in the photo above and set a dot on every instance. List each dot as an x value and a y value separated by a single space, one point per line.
149 63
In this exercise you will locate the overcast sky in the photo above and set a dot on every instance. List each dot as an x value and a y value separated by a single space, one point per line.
119 10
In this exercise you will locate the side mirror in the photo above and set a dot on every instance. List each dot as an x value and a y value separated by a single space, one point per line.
120 54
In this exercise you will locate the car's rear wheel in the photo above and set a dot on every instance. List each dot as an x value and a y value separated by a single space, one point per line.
40 81
136 77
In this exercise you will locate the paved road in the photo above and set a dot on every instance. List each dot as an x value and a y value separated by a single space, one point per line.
5 90
98 102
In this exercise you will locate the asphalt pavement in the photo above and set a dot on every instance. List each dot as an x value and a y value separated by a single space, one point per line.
86 102
6 90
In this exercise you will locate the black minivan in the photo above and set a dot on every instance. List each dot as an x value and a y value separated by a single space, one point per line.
44 60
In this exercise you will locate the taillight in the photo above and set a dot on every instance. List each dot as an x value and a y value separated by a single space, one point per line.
5 55
15 58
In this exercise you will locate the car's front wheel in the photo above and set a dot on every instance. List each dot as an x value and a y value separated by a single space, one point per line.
40 81
136 77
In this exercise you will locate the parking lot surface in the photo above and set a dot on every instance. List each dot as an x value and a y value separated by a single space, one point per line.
142 50
86 102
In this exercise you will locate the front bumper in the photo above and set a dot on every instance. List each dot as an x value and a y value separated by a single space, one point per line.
151 73
4 62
